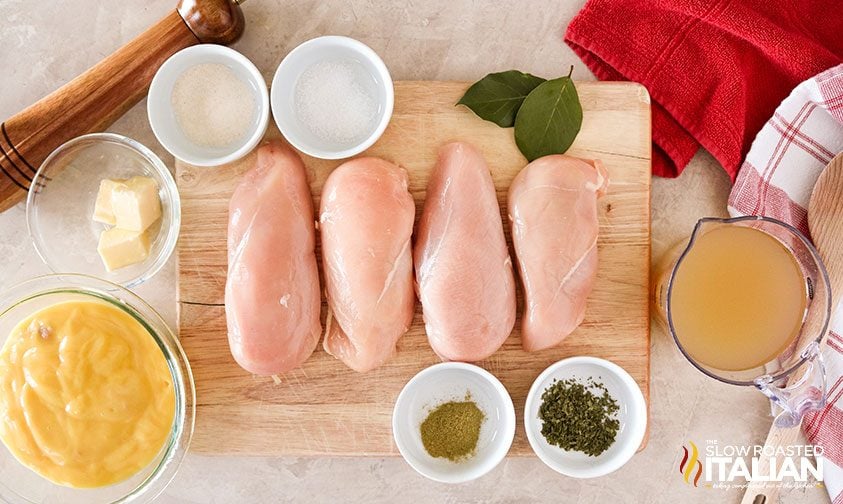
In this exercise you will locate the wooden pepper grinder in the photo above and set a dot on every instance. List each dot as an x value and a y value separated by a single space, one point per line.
95 99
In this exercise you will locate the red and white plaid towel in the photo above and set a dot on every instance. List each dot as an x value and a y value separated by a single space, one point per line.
776 180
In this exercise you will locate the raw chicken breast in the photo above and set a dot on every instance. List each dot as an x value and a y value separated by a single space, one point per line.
463 270
553 209
366 223
272 298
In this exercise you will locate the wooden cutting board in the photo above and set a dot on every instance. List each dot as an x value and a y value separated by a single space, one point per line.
326 409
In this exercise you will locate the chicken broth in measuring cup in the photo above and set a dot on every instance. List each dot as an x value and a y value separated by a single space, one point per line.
747 301
738 298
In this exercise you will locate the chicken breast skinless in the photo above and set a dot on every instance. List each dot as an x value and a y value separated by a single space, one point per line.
366 224
553 209
464 273
272 298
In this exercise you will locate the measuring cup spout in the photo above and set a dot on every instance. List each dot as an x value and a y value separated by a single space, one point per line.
701 227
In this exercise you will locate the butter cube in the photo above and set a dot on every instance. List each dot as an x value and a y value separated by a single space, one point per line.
135 204
119 247
102 208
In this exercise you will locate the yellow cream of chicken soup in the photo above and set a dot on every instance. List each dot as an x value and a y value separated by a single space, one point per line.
86 396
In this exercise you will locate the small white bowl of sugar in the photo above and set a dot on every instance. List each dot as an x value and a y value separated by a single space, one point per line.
208 105
332 97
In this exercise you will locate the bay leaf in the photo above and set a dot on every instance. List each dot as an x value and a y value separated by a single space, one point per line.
498 96
549 119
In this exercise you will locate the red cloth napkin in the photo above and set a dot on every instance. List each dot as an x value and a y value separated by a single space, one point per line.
715 69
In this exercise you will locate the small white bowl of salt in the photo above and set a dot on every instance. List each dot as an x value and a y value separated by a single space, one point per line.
332 97
208 105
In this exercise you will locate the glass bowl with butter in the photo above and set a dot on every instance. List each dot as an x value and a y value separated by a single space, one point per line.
97 399
104 205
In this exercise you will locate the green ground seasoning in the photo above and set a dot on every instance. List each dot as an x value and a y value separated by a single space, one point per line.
452 429
576 418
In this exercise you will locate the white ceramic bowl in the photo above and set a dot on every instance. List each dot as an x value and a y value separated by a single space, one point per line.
283 94
632 417
63 194
450 381
163 119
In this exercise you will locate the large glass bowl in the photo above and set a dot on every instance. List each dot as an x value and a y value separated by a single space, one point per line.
61 199
19 484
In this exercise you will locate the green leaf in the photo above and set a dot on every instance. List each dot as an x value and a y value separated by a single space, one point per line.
498 96
549 119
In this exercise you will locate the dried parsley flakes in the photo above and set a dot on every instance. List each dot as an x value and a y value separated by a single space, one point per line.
575 418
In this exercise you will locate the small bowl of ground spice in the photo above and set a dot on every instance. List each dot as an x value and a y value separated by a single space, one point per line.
585 417
453 422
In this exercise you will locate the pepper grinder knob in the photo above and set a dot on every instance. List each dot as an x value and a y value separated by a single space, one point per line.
213 21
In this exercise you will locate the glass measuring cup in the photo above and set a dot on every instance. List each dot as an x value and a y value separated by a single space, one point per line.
794 379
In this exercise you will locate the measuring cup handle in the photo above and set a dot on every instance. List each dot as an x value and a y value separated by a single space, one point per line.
790 399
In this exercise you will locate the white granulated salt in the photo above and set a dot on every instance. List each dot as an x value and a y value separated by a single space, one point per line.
333 101
213 106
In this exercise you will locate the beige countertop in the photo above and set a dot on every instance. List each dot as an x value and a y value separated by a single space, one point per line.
45 43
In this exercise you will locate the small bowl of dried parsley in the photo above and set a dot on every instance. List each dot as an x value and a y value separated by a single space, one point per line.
453 422
585 417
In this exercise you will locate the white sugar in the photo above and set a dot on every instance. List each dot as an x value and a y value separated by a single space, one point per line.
333 101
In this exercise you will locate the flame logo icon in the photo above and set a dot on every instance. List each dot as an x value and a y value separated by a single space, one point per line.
690 463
